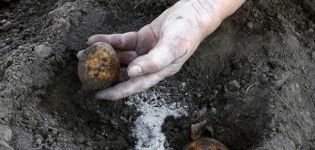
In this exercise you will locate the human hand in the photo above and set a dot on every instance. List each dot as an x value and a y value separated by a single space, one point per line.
159 49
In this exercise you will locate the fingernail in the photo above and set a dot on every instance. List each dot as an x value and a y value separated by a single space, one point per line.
90 40
80 54
135 71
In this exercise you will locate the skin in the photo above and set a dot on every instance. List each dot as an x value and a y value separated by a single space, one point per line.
160 49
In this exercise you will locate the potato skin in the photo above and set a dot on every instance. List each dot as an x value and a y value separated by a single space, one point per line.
98 66
205 144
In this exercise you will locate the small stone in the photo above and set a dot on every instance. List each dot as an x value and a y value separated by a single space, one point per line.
243 82
38 142
166 145
202 112
313 55
5 133
26 115
80 139
7 26
5 136
43 50
264 78
213 110
50 139
3 45
52 130
5 146
250 25
234 85
3 21
198 95
281 79
38 136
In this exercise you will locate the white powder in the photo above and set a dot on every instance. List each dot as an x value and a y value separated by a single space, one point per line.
148 127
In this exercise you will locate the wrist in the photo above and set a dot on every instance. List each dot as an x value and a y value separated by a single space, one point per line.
221 8
210 13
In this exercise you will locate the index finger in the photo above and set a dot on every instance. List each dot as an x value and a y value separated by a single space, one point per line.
125 41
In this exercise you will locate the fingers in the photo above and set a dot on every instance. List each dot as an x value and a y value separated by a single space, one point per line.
137 85
80 54
141 41
126 41
162 55
147 39
130 87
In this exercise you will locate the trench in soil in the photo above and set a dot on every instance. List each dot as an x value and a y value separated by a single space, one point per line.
236 126
239 120
102 123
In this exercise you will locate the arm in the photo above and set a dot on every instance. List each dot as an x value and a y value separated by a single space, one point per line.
159 49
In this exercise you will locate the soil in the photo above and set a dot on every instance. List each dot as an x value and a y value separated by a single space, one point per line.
253 79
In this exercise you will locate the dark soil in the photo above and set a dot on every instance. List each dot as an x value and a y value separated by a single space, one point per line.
253 79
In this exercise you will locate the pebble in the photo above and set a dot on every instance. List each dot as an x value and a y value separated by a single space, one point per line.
166 145
264 78
250 25
80 138
234 85
50 139
5 136
42 50
38 136
313 55
202 112
38 142
198 95
5 146
7 26
5 133
213 110
2 45
54 131
3 21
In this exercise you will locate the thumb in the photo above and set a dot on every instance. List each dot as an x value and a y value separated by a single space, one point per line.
163 54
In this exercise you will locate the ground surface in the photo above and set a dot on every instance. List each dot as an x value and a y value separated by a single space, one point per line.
253 79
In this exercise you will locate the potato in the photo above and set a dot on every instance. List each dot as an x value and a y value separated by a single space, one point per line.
205 144
98 66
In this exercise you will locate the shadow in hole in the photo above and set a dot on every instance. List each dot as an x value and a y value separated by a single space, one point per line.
102 120
7 3
239 127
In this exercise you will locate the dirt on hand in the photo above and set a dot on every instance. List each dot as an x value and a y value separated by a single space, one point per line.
253 79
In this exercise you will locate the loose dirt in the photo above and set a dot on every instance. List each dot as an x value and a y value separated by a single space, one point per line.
253 79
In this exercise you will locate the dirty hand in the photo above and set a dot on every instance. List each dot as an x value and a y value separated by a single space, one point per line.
159 49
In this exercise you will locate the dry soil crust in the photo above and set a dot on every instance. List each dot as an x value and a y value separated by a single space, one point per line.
253 79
